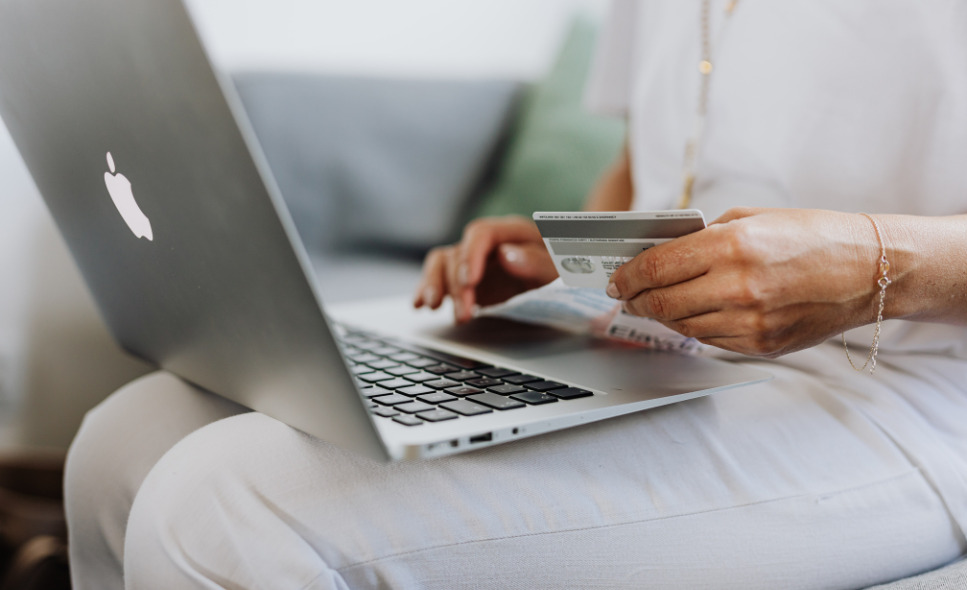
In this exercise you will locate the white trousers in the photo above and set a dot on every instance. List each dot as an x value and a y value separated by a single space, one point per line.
820 478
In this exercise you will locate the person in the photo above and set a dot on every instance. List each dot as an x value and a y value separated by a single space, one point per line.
805 114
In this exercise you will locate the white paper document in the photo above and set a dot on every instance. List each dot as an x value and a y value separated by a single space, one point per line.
591 311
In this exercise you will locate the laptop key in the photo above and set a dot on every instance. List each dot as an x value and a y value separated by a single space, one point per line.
461 375
375 377
521 379
463 390
382 364
386 412
407 420
422 363
401 370
446 358
436 397
361 369
362 357
496 372
369 344
385 350
437 415
374 390
545 385
392 399
570 393
404 357
414 407
506 389
485 382
440 368
415 390
441 383
421 377
498 402
397 383
534 397
467 408
350 338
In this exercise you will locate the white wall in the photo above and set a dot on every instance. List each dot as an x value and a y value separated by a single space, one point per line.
515 38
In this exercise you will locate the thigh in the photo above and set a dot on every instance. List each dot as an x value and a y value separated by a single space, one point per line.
117 445
787 484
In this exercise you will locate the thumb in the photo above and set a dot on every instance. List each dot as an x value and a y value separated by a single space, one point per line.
530 262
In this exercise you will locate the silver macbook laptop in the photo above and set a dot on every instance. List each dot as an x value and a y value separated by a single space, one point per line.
150 169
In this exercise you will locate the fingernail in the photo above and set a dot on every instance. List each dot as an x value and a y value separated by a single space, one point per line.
429 296
512 255
612 291
463 273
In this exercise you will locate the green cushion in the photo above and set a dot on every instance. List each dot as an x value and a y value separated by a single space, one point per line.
557 150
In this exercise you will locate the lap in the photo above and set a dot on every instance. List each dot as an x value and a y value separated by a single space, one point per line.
793 483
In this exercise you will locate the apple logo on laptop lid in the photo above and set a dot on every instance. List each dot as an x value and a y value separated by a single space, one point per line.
119 187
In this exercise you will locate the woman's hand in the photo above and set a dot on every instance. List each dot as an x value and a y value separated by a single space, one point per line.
763 282
497 258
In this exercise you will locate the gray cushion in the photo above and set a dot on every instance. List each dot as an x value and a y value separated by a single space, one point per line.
376 162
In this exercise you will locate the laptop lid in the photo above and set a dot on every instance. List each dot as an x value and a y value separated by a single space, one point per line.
135 144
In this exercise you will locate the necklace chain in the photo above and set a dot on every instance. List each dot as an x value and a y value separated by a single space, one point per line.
705 68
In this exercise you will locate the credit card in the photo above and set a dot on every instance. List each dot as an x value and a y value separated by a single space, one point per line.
587 247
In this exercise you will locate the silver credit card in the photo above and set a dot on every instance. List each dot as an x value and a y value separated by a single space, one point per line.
587 247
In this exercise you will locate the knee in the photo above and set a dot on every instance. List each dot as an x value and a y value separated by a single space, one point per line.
204 515
121 439
118 443
95 478
100 483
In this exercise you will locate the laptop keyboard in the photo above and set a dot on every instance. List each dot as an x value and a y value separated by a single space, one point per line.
412 385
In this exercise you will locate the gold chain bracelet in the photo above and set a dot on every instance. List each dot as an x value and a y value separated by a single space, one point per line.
882 282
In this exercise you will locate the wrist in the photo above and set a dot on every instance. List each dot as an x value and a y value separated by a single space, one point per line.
906 239
928 259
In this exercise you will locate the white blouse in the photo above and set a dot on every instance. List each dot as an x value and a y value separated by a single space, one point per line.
851 106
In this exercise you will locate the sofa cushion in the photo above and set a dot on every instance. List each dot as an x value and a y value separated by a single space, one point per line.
558 149
365 162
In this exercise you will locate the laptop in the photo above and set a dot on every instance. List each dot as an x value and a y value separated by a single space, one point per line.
152 173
